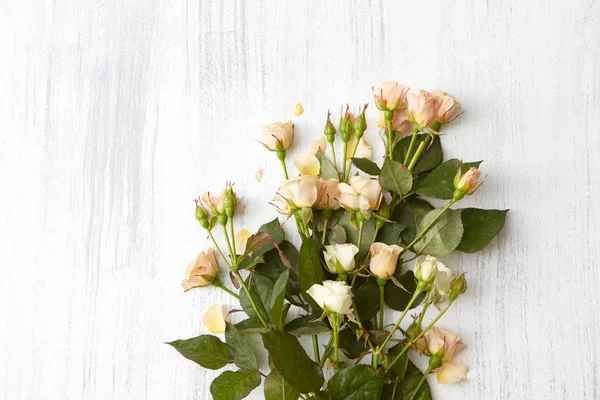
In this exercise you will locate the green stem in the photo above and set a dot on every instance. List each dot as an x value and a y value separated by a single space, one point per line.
217 282
315 341
231 249
234 253
418 153
344 161
361 226
409 344
326 352
410 303
336 339
410 146
285 171
218 249
333 154
325 223
350 162
428 227
381 304
414 395
251 299
389 137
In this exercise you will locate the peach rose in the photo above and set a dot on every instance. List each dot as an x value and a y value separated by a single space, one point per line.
384 259
423 108
278 135
390 96
201 271
448 106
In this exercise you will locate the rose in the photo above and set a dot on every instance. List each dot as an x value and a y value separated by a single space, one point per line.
278 135
425 269
332 296
214 319
307 164
360 194
423 108
201 271
467 182
448 106
390 96
445 345
328 194
384 259
297 193
339 258
400 122
443 278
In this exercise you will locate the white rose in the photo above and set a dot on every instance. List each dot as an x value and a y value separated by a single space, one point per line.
425 269
339 258
443 279
335 296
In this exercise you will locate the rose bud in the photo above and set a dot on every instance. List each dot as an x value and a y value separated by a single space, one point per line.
214 319
390 96
332 296
457 287
425 270
297 193
466 183
384 259
201 215
423 108
329 130
307 164
213 202
278 135
201 271
230 201
448 107
360 123
328 193
347 125
339 258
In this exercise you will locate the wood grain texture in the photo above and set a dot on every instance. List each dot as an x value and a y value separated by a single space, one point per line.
115 114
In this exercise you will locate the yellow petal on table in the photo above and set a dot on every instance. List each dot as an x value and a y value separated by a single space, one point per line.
214 319
307 164
241 238
298 110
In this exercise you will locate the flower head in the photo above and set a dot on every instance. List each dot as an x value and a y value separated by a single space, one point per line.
278 135
201 271
213 202
448 107
339 258
361 194
328 194
423 108
297 193
425 269
445 345
384 259
390 96
400 122
467 183
332 296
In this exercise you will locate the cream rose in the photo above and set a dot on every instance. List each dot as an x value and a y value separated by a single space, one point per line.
201 271
448 106
384 259
278 135
328 194
332 296
443 278
339 258
297 193
390 96
425 269
446 344
467 182
423 108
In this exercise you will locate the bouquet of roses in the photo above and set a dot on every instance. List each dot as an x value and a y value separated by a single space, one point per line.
360 224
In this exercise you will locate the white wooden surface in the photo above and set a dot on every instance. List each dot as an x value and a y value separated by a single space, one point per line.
114 115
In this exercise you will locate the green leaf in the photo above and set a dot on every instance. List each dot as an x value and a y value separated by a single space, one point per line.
390 233
439 183
366 299
410 213
480 227
251 261
350 345
257 242
311 271
292 362
359 382
276 388
274 229
273 266
400 366
405 388
251 325
396 297
276 301
431 157
236 385
260 287
366 165
328 170
352 233
395 177
242 351
443 237
307 325
206 350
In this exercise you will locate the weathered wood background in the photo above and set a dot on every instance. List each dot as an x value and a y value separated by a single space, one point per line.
115 114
